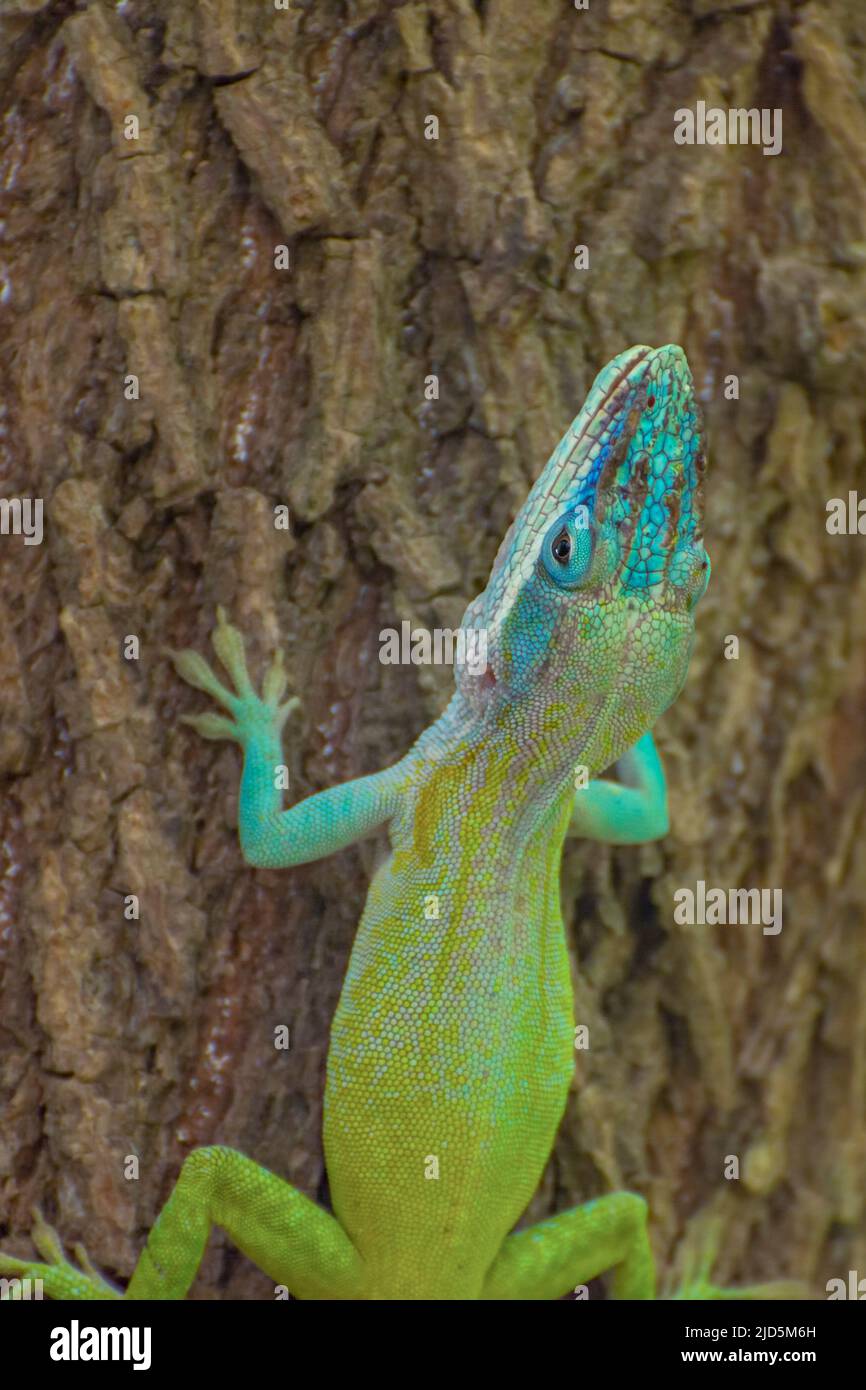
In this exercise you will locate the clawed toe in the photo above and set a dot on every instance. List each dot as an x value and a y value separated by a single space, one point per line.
697 1257
193 668
229 647
58 1277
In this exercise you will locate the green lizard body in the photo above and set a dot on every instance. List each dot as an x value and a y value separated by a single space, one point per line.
452 1046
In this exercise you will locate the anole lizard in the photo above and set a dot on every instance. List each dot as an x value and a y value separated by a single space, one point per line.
452 1045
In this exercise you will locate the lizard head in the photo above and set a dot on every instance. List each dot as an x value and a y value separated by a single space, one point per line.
588 615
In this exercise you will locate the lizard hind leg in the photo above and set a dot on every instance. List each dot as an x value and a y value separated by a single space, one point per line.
697 1255
610 1234
294 1241
298 1244
548 1260
59 1278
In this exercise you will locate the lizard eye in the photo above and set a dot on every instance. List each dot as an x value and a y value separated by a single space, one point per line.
561 548
567 548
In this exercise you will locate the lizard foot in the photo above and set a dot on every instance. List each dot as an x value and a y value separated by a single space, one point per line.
246 709
59 1278
698 1255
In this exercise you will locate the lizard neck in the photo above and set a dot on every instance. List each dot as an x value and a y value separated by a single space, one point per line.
512 777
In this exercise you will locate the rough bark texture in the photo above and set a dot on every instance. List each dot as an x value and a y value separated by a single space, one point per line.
305 386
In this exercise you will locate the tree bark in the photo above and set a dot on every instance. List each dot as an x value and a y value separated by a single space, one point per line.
151 252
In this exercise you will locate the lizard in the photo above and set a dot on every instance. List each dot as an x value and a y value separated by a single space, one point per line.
452 1047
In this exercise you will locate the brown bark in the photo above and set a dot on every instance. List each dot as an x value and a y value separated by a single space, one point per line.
305 387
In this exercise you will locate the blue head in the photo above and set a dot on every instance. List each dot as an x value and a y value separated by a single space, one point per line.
589 610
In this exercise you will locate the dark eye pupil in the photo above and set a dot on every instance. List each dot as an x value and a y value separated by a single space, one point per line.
562 547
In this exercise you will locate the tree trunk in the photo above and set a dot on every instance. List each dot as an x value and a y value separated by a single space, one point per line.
169 377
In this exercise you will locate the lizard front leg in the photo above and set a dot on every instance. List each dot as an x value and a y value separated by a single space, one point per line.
271 837
630 811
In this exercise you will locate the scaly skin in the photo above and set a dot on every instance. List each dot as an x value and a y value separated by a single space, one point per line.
452 1045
